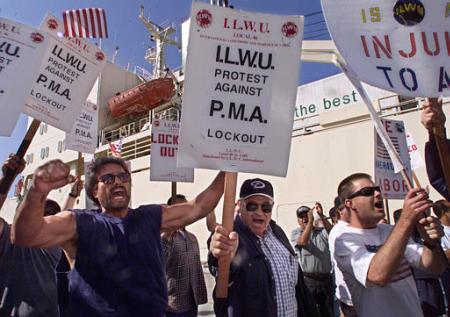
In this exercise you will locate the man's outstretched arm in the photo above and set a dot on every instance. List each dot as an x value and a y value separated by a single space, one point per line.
181 215
30 227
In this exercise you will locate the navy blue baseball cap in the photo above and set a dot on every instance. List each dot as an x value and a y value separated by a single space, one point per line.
256 186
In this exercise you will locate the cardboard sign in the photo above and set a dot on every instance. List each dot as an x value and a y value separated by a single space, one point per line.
163 158
21 51
414 154
84 135
66 76
241 76
402 46
392 184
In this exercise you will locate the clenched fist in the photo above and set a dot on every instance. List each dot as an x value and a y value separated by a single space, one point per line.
13 163
52 175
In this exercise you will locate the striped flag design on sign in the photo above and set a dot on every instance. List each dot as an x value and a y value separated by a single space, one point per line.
89 22
116 150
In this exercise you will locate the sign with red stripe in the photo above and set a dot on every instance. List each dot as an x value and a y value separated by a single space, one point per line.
88 22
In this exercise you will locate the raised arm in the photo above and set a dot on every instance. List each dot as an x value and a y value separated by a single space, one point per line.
211 221
387 259
181 215
326 224
30 227
431 232
304 238
433 117
15 164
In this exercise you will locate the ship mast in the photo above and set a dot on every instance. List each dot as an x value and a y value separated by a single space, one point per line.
161 35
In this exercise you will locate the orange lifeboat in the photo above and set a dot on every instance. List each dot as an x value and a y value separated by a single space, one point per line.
142 98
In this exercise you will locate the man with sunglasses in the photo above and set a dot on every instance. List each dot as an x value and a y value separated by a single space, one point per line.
265 278
310 241
375 258
117 252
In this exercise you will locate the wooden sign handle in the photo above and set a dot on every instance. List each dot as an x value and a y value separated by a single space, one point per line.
174 190
444 155
8 178
409 184
80 165
227 223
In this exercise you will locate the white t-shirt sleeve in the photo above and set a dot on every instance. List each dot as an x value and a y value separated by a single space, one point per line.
413 253
352 256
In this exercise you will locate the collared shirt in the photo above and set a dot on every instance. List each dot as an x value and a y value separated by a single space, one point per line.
285 271
184 273
315 257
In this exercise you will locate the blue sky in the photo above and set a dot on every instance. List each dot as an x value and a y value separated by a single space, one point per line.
128 33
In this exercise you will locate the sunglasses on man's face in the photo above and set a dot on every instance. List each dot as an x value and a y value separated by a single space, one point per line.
365 191
110 178
265 207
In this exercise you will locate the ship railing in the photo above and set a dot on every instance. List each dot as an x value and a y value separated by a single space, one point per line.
124 131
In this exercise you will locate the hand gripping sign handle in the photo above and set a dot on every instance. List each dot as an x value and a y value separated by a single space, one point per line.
8 178
444 156
227 223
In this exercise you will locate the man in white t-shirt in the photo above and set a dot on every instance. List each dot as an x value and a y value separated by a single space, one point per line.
375 258
342 292
442 210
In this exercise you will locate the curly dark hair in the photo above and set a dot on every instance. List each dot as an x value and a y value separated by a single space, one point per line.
95 167
173 199
51 208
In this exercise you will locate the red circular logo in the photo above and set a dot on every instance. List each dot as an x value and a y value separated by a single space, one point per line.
37 37
204 18
156 123
100 56
52 24
289 29
94 107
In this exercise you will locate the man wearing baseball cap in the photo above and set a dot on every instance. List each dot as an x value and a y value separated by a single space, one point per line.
310 241
265 278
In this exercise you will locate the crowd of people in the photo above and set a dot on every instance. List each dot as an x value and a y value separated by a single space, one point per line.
120 261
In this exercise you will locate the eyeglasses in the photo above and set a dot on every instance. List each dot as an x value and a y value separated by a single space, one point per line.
365 191
265 207
108 179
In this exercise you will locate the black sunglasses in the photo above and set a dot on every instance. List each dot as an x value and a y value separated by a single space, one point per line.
265 207
108 179
365 191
